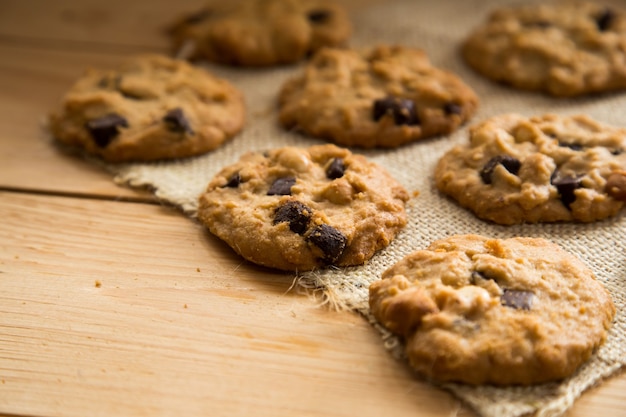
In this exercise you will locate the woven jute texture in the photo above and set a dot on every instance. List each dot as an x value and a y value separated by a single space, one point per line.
438 28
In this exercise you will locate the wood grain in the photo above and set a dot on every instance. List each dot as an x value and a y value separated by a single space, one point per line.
135 310
89 25
32 82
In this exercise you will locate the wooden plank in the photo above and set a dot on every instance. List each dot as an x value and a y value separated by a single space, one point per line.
90 24
112 308
32 82
93 24
135 310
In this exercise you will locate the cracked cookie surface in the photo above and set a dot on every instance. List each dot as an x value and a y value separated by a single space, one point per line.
381 97
546 168
299 209
150 108
471 309
565 49
261 32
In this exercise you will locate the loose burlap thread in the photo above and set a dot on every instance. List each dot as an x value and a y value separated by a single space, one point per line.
438 28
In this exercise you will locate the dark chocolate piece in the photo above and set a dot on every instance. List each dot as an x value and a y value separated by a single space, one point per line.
198 17
517 299
336 169
572 146
541 24
452 108
510 163
282 186
104 129
319 16
403 110
605 19
295 213
233 181
566 187
330 240
177 122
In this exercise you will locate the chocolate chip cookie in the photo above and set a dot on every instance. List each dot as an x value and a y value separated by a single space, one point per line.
260 32
547 168
564 49
382 97
471 309
151 108
299 209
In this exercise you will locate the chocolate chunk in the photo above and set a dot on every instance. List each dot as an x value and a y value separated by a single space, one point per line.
198 17
572 146
104 129
177 122
604 20
296 214
319 16
517 299
403 110
336 169
566 187
541 24
233 181
282 186
330 240
616 151
511 164
452 108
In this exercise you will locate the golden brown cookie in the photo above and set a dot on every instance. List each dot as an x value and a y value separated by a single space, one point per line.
383 97
516 311
151 108
547 168
563 48
260 32
298 209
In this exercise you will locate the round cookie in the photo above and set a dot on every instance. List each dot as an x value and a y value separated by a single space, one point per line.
516 311
260 32
382 97
151 108
541 169
299 209
564 49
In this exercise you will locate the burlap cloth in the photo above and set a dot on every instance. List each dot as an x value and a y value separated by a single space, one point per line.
437 27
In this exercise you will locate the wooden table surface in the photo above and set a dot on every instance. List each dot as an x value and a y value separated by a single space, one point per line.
112 304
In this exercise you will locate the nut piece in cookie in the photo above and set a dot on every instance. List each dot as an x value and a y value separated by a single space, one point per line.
260 32
564 49
151 108
475 310
299 209
382 97
547 168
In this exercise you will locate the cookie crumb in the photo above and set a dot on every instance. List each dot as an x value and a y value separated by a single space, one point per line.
98 284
